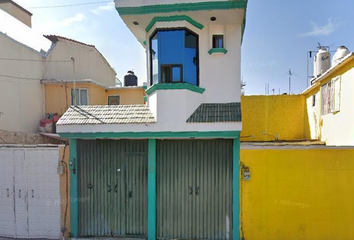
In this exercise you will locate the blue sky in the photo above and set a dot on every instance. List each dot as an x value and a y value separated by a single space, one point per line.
278 35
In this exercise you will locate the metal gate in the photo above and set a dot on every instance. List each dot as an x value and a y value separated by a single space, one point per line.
194 189
112 188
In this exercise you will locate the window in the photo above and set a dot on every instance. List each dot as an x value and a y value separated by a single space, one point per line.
114 100
171 73
330 96
174 57
218 41
81 96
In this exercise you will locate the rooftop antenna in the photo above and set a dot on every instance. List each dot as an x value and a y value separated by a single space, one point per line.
290 74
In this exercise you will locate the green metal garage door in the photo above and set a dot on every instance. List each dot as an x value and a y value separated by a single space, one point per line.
112 188
194 189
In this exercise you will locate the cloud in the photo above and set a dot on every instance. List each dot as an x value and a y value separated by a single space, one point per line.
108 7
66 22
55 26
326 30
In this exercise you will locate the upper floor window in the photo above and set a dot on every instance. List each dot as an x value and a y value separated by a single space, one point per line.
330 96
81 96
113 100
174 57
218 41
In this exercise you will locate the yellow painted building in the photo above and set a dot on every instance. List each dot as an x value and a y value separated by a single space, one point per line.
58 95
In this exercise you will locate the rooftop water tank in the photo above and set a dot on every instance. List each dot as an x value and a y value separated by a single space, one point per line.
130 79
322 62
341 52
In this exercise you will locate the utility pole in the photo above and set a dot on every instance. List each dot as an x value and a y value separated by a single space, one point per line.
74 73
290 74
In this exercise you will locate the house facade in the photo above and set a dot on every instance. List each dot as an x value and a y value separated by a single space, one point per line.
168 169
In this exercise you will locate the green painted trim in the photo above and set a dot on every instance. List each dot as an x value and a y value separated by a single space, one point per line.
217 50
74 190
151 189
174 19
174 86
145 98
236 189
182 7
144 43
154 135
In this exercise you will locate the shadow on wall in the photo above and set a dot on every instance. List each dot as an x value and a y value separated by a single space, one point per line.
274 118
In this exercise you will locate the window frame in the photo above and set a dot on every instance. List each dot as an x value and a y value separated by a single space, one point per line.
109 96
222 39
334 96
78 98
171 66
150 51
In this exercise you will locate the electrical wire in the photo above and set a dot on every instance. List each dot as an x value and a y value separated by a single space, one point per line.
23 78
69 5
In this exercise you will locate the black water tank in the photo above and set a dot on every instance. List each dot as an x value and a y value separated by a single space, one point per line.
130 79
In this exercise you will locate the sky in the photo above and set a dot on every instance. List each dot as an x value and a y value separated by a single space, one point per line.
278 36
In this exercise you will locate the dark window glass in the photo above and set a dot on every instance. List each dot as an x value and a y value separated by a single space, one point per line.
174 57
113 100
218 41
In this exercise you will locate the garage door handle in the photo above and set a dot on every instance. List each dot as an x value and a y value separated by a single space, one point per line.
130 194
109 188
19 193
8 192
116 188
89 186
32 193
190 190
197 190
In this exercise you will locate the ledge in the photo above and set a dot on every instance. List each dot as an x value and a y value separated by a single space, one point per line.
174 86
174 19
217 50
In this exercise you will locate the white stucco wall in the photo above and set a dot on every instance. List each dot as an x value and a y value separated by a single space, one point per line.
89 64
21 100
336 129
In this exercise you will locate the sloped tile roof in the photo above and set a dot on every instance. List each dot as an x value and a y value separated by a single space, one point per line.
104 114
216 113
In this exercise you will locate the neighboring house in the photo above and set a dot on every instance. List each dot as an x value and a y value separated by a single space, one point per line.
59 94
168 169
35 68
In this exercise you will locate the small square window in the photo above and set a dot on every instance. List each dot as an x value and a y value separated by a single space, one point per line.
113 100
218 41
171 73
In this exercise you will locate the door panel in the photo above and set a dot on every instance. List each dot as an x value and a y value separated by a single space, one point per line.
106 169
194 189
7 207
43 193
21 211
136 193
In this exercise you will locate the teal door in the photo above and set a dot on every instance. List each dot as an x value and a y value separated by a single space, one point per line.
194 189
112 188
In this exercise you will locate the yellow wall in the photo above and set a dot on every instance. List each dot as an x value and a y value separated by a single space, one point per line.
297 194
58 96
284 115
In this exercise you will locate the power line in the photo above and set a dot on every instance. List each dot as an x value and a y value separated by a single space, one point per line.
22 78
69 5
32 60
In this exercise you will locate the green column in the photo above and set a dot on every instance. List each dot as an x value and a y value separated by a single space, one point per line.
235 189
74 191
152 189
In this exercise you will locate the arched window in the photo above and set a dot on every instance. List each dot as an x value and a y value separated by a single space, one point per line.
174 57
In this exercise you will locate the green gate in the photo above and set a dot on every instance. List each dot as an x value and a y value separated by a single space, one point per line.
112 188
194 189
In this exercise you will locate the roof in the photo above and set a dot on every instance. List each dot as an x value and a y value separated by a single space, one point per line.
56 38
104 114
216 113
17 5
316 81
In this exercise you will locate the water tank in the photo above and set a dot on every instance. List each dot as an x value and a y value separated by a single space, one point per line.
130 79
322 62
341 52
